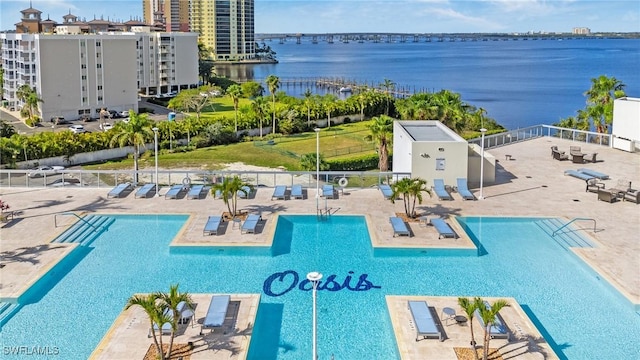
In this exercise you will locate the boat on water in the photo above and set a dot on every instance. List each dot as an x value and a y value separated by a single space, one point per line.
345 89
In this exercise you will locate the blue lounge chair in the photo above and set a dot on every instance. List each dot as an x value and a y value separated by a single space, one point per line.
195 192
174 192
443 228
245 193
216 313
296 192
463 190
279 193
250 224
441 190
579 175
212 225
498 330
145 190
328 191
423 320
594 173
119 190
387 192
399 227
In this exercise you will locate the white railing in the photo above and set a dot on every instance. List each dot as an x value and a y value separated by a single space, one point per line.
532 132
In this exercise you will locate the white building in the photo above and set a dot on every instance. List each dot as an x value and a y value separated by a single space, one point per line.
626 124
430 150
80 74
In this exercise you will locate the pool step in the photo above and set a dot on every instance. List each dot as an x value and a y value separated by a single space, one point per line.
85 230
567 237
6 311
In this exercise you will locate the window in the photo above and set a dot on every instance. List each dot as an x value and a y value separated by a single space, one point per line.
99 66
84 99
84 77
99 87
99 97
98 43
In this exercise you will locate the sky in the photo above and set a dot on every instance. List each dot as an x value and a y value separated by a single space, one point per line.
398 16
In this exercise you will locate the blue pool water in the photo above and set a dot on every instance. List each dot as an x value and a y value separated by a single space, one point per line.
579 313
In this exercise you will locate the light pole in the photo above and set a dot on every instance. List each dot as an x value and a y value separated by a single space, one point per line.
317 130
314 277
483 130
155 143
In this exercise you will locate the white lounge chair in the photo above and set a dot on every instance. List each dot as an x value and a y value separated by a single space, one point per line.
174 192
195 192
145 190
119 190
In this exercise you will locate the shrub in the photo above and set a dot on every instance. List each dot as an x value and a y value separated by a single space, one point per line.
360 163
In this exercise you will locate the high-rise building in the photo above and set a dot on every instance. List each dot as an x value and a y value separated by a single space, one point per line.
173 15
225 26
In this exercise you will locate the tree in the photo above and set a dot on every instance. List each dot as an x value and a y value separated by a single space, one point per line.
170 301
381 132
157 315
469 308
308 162
273 83
308 101
228 189
252 89
388 86
600 101
235 92
134 133
411 191
259 108
488 314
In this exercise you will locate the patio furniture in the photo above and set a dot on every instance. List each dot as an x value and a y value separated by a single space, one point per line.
443 228
622 186
632 195
607 195
498 330
424 321
216 313
296 192
591 157
579 175
175 192
279 193
594 186
145 190
250 224
463 190
399 227
577 158
120 190
212 225
441 190
386 190
195 192
575 150
594 173
559 155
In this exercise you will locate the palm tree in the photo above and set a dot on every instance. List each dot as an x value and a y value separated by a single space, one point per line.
469 308
308 162
388 86
229 188
488 315
307 102
32 104
411 191
600 101
259 108
170 301
273 83
134 133
235 92
381 132
157 315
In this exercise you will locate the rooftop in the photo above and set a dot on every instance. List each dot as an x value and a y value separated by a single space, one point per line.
429 130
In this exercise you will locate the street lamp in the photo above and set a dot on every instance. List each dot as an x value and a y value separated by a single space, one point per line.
155 143
483 130
314 277
317 130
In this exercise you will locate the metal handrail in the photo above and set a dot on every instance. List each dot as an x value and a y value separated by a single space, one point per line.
55 219
572 220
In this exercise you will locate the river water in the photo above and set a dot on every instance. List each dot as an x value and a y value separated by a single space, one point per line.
520 83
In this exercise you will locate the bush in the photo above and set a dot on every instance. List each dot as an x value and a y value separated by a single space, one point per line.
346 120
360 163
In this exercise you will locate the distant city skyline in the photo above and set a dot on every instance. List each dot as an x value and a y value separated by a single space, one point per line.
401 16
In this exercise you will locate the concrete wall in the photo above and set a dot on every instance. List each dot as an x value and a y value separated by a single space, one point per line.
445 160
402 149
626 124
473 167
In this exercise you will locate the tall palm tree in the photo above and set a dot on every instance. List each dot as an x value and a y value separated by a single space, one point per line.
134 133
228 189
235 92
171 300
469 308
600 101
388 86
273 83
259 108
488 315
32 104
157 315
381 132
307 102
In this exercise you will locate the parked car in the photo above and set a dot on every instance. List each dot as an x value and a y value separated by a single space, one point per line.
86 118
44 170
59 120
78 129
114 114
106 126
65 182
124 113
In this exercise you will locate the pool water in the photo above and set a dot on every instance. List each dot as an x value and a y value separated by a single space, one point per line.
579 313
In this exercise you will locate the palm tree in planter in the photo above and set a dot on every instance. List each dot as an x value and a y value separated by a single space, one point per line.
158 314
469 308
488 314
411 191
228 189
170 301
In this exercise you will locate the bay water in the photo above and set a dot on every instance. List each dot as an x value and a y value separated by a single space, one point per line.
519 83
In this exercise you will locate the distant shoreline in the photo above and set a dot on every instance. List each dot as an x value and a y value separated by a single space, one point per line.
246 62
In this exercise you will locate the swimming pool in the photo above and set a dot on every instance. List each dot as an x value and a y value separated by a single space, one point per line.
584 318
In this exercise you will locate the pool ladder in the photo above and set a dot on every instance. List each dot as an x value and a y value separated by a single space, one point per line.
70 213
572 220
323 213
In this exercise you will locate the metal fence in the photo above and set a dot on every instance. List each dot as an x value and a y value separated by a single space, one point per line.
518 135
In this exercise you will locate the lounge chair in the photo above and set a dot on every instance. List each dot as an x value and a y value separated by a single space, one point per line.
145 190
463 190
591 157
423 320
296 192
166 329
559 155
441 190
443 228
579 175
119 190
212 225
328 191
174 192
594 186
250 223
216 313
186 312
498 330
245 193
594 173
279 193
399 227
387 192
195 192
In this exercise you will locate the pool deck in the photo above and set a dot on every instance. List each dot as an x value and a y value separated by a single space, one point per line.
531 184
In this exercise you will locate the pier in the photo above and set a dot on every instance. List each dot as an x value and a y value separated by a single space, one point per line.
331 84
